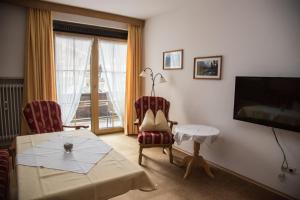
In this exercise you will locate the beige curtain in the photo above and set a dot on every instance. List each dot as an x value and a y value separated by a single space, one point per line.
39 73
133 86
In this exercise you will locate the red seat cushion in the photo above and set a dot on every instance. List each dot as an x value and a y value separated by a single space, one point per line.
154 137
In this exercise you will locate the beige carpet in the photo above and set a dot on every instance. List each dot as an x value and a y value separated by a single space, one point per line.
171 185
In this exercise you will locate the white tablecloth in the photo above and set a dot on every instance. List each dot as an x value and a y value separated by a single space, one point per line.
198 133
51 154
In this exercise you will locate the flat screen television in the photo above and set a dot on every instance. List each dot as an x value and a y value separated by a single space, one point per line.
270 101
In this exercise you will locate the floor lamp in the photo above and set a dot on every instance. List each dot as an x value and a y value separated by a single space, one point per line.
153 77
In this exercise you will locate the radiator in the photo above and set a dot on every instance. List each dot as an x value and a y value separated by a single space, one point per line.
11 97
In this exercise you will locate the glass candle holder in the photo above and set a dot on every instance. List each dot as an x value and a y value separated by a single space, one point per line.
68 147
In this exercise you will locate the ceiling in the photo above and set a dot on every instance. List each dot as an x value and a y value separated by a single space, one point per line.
142 9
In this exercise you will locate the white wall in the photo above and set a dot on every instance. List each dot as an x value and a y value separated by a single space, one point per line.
256 38
12 40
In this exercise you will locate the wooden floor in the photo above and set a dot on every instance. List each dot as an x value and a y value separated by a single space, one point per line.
170 182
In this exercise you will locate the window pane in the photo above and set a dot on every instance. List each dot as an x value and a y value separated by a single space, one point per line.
112 75
72 58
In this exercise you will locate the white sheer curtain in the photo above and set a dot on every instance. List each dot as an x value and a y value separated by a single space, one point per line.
72 58
112 56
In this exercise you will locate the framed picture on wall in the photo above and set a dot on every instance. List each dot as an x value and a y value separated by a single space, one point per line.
173 59
207 67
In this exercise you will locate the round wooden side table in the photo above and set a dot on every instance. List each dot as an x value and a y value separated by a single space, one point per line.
198 134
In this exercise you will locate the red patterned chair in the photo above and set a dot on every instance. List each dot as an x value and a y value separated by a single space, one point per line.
148 139
4 174
45 117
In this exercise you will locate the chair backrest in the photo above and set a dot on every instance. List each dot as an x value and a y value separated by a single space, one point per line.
43 116
154 103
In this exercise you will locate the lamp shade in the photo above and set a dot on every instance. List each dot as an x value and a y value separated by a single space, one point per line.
144 74
162 79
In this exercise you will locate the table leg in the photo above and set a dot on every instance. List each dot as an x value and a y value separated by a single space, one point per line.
196 160
189 167
205 166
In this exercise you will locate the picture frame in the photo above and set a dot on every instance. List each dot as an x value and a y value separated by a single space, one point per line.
173 59
209 67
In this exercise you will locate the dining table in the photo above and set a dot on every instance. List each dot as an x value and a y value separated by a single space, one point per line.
110 176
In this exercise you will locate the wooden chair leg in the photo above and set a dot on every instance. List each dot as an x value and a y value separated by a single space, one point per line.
140 155
164 152
170 154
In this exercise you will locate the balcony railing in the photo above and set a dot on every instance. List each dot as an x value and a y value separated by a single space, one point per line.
107 116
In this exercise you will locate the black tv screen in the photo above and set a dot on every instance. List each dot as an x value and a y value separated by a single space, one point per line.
270 101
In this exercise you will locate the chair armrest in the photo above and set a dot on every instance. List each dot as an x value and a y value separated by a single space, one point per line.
172 123
136 122
76 127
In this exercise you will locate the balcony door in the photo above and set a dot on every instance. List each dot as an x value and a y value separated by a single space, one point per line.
90 80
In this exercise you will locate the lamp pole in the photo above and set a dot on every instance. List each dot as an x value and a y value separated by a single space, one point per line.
153 82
